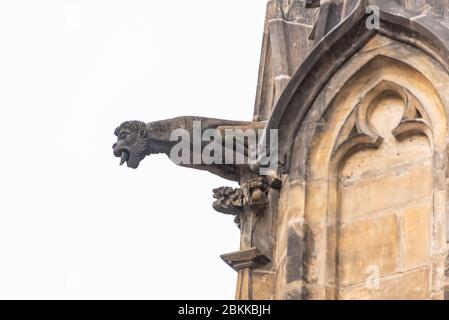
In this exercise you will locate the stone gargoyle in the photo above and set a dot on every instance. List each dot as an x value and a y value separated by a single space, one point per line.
136 140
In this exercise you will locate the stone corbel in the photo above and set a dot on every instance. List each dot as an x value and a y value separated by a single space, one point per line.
228 200
247 203
245 259
253 194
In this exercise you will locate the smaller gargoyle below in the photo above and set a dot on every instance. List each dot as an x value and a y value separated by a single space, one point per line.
229 200
253 193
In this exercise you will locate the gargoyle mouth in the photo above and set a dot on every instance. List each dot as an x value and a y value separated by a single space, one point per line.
123 153
124 157
127 156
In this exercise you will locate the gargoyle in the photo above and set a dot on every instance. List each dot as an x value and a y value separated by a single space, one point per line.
136 140
228 200
255 192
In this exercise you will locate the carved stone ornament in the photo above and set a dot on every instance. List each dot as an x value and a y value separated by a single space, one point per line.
253 194
137 140
229 200
244 259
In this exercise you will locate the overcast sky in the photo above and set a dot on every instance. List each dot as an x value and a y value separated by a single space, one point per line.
73 223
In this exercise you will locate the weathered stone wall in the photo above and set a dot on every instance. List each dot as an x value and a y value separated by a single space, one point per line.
290 242
386 205
362 213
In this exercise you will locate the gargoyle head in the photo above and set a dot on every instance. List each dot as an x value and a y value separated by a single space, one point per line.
132 143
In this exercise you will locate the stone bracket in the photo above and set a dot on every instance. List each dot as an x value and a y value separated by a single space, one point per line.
252 194
228 200
244 259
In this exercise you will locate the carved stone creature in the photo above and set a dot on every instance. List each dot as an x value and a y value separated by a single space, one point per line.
136 140
229 200
253 193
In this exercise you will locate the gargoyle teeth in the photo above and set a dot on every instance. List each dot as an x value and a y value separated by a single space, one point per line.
124 157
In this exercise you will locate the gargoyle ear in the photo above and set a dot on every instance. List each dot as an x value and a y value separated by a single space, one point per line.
143 133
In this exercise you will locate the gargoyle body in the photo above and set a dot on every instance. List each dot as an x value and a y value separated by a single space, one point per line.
136 140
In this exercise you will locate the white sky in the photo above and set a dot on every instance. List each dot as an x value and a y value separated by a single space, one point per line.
73 224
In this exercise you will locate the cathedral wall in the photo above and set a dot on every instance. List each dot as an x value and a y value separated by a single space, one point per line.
362 213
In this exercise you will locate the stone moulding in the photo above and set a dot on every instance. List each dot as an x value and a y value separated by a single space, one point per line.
363 135
245 259
408 128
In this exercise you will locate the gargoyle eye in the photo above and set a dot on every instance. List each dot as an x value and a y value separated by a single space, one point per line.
123 135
